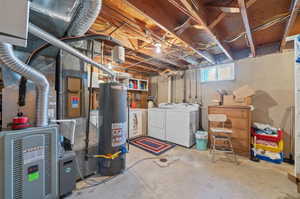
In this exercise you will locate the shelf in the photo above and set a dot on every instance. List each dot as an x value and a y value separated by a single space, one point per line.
132 89
137 85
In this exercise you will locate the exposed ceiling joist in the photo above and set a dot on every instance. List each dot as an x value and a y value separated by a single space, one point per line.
134 63
109 12
150 61
230 10
159 19
125 66
203 22
244 14
290 23
221 16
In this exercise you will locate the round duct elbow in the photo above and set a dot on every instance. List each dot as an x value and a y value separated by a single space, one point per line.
86 16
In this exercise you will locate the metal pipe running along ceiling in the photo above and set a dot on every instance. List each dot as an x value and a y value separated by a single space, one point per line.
61 45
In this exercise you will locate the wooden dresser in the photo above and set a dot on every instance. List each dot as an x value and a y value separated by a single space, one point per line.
239 120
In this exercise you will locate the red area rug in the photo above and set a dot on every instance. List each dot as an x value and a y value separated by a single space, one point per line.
151 145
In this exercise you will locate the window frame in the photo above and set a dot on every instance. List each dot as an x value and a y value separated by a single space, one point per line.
217 79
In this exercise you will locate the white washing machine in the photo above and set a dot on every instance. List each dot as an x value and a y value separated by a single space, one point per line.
157 123
175 123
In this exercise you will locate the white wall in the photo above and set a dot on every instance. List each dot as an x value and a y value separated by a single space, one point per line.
271 76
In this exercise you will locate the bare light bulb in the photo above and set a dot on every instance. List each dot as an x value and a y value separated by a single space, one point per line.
158 48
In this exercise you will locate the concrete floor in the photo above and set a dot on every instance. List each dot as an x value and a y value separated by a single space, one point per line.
194 176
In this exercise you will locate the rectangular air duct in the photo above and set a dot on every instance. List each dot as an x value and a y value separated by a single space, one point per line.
14 17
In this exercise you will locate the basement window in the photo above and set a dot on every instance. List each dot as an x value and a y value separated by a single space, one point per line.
218 73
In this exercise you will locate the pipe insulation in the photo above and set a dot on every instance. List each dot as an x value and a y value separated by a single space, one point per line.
86 16
8 57
61 45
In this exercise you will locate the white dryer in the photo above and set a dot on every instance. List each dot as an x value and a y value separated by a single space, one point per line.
182 122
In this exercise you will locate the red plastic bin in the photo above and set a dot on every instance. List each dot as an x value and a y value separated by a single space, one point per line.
268 137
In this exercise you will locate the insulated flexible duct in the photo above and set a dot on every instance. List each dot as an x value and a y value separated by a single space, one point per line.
88 13
8 57
61 45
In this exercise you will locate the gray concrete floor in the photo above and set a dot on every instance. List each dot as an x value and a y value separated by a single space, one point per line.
194 176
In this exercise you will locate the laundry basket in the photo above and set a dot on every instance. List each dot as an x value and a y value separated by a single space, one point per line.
201 140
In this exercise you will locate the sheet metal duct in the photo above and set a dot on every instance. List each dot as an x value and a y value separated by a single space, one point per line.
86 16
55 16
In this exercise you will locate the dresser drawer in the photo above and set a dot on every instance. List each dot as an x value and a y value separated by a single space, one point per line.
236 123
234 113
241 134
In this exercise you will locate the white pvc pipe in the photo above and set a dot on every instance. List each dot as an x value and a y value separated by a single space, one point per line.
73 128
170 89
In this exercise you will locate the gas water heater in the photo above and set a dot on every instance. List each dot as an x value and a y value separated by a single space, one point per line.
113 128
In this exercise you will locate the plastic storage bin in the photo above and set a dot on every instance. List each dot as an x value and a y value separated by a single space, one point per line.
277 149
265 158
201 140
270 138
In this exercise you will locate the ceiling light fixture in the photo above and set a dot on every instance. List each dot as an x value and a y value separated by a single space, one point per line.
157 48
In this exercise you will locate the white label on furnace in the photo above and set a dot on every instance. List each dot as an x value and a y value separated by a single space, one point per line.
33 154
118 134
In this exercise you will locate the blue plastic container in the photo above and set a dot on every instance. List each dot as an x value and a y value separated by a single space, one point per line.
265 158
201 140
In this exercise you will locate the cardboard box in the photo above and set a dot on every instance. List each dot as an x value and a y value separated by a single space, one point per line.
243 92
230 100
216 98
74 84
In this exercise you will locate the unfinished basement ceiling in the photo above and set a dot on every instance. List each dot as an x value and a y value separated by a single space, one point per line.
192 31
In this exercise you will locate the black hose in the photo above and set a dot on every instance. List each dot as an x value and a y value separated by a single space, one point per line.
22 91
58 86
87 138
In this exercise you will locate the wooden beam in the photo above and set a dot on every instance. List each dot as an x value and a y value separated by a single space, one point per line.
180 29
166 23
250 3
221 16
290 23
201 21
229 10
108 13
244 14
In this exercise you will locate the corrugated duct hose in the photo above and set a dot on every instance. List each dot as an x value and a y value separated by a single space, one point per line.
9 59
87 15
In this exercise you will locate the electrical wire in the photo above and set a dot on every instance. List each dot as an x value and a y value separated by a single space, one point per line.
108 179
267 24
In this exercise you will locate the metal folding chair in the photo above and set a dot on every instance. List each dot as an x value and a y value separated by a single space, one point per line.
221 134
